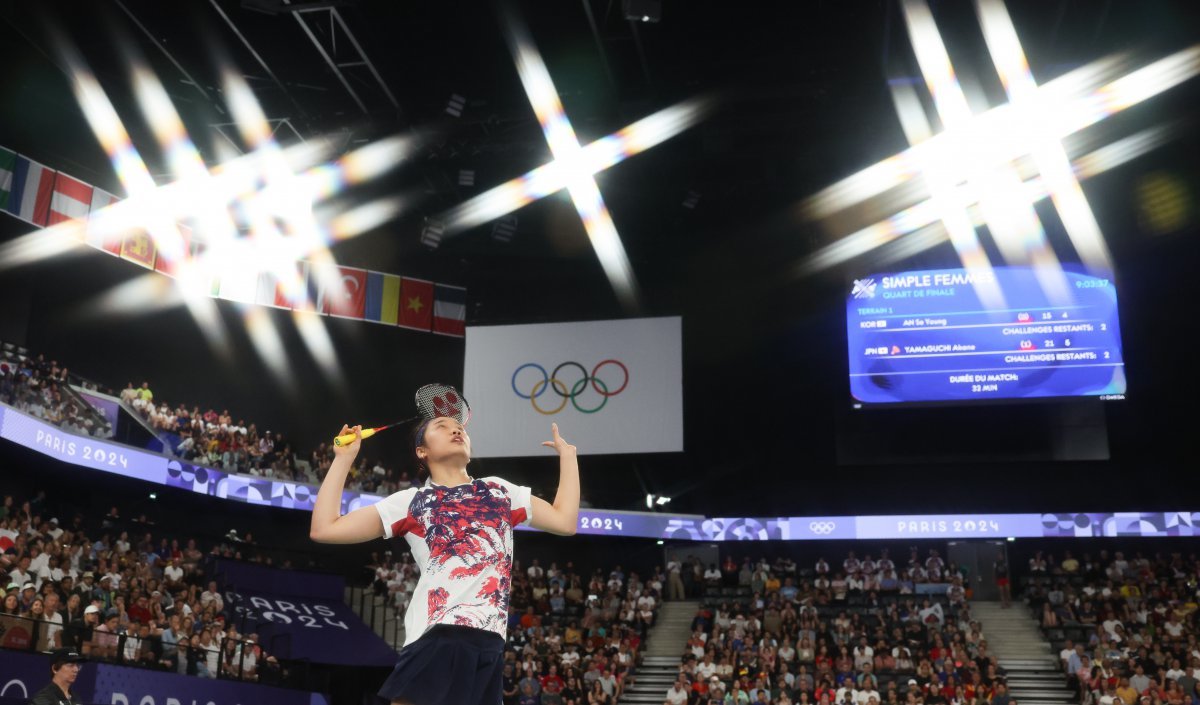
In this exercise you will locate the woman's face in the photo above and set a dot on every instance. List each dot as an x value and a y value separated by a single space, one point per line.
445 440
10 602
37 606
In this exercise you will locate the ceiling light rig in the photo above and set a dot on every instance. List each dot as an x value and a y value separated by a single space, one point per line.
967 173
574 166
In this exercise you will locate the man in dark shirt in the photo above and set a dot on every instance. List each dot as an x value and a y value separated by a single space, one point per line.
64 669
935 696
79 633
1002 697
511 690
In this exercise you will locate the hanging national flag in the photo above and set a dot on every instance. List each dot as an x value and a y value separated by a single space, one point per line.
71 199
25 187
169 268
295 298
8 539
416 304
238 283
383 298
348 296
449 310
138 248
270 291
8 164
110 242
310 299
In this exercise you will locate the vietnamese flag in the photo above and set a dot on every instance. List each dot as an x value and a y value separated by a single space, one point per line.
416 304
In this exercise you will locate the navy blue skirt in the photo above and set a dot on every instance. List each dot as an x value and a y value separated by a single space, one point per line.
449 665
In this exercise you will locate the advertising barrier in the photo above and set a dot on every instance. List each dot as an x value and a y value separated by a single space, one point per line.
23 674
131 462
301 615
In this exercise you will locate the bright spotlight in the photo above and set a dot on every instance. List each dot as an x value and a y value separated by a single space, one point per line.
966 173
574 166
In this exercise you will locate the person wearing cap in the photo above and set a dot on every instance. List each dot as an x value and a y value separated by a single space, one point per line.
65 665
103 592
27 596
78 634
86 586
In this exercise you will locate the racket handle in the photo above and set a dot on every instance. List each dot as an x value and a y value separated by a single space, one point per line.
348 438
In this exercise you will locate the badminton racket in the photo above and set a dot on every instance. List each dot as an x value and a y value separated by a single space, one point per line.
433 401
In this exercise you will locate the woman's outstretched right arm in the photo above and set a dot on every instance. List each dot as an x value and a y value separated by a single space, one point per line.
328 525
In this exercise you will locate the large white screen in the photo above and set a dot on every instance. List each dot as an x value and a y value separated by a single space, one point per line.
642 414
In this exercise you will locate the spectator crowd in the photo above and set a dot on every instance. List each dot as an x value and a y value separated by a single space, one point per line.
117 592
39 387
214 439
866 631
1124 624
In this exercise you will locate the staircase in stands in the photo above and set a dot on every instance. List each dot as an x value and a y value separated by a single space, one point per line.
1033 673
385 621
665 644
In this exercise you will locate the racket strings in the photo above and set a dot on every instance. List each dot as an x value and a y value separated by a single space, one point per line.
438 400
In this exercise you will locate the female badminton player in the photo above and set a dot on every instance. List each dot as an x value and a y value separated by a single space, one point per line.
460 530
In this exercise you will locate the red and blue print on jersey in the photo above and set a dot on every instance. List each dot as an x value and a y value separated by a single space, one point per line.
461 539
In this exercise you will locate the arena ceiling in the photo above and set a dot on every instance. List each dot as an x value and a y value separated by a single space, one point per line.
710 218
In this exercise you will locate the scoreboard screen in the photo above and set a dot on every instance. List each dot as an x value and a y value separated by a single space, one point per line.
947 335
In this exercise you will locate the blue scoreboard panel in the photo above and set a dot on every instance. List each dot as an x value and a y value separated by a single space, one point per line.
929 336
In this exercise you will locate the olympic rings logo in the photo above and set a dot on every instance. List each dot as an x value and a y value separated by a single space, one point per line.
821 527
570 393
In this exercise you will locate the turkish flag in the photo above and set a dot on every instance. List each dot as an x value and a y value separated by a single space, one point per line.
348 296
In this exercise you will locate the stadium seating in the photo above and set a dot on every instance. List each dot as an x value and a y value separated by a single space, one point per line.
1122 623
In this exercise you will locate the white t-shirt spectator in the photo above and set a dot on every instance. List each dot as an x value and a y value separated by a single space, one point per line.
862 696
462 539
863 655
934 610
54 627
37 564
956 593
212 597
173 573
676 695
21 577
212 655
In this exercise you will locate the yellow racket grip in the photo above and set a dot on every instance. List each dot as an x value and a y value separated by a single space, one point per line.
348 438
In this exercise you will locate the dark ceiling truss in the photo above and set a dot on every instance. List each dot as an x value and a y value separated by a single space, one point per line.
307 16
